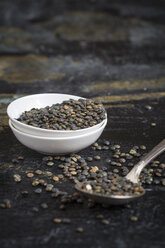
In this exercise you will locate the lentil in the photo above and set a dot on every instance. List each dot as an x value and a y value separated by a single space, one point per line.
108 161
134 218
163 182
25 193
35 209
94 169
2 205
7 203
148 107
20 157
66 221
49 187
41 181
56 179
35 182
132 152
162 166
100 216
30 174
44 205
48 173
38 191
142 147
57 220
80 230
105 222
17 178
89 159
50 163
106 142
38 172
62 207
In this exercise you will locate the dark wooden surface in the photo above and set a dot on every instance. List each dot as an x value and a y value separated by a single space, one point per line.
109 50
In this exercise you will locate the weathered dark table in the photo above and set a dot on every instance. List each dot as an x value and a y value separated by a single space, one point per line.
109 50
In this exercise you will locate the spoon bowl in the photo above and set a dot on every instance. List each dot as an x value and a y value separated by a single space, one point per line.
108 199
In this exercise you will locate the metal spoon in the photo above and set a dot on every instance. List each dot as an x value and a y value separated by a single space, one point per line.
133 176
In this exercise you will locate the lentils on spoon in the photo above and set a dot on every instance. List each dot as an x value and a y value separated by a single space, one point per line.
68 115
117 186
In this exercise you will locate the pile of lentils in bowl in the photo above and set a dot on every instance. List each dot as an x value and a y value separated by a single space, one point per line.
68 115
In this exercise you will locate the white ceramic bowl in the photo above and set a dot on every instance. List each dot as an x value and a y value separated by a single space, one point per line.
63 145
17 107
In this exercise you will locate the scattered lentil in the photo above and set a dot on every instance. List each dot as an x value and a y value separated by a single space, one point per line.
122 154
38 191
100 216
25 193
2 205
7 203
94 169
142 147
62 207
56 179
80 230
41 181
134 218
17 178
106 142
30 174
148 107
20 157
105 222
38 172
35 182
49 187
89 159
163 181
162 166
132 151
156 181
66 221
105 148
15 161
50 164
95 144
57 220
122 160
44 205
35 209
48 173
108 160
97 157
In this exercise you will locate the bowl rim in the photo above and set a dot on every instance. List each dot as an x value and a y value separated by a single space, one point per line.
50 130
58 138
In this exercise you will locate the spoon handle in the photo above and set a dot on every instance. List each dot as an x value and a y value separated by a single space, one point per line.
134 174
